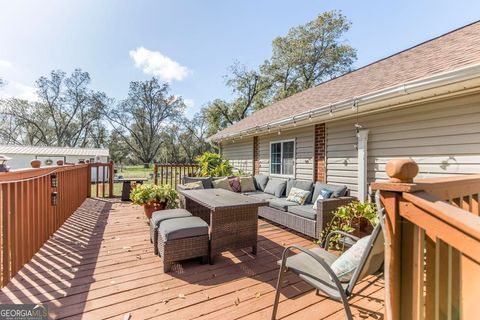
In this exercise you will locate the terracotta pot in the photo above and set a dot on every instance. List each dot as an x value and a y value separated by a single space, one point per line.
35 163
59 162
150 209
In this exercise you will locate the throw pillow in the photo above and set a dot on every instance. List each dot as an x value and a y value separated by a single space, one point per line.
324 194
276 187
298 195
222 183
247 184
194 185
345 265
235 184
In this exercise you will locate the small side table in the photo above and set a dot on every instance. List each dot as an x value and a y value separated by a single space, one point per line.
127 186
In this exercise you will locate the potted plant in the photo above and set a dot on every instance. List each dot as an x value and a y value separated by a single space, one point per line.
356 217
154 197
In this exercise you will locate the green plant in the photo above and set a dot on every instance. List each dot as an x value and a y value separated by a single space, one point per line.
213 165
349 216
149 194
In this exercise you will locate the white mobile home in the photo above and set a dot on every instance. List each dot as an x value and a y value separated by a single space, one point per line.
22 155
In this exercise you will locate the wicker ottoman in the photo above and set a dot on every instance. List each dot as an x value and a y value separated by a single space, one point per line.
182 238
159 216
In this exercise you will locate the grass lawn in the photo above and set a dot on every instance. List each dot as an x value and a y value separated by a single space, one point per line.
125 172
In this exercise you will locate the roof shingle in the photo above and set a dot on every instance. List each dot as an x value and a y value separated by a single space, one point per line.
451 51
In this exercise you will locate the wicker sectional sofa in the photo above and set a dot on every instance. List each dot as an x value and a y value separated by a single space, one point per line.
301 218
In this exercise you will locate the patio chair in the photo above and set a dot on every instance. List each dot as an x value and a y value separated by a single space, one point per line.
314 267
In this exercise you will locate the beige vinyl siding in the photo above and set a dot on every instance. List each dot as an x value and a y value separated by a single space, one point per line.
443 138
304 141
239 153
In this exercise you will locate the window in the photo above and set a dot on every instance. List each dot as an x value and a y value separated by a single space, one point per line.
282 157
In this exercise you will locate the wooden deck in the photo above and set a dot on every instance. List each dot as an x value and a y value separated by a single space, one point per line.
100 265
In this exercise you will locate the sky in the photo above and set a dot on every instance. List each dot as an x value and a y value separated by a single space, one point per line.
191 43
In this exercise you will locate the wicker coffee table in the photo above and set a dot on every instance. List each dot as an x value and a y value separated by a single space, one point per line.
232 217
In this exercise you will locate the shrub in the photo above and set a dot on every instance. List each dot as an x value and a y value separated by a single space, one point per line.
349 216
213 165
149 194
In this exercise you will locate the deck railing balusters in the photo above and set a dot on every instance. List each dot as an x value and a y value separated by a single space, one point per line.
168 173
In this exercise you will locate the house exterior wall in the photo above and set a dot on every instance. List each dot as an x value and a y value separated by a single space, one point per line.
442 137
240 153
304 158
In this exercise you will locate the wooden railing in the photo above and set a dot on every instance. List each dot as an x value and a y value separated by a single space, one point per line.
102 175
168 173
433 244
33 205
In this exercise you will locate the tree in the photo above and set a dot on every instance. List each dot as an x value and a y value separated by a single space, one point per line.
309 54
67 113
139 119
249 88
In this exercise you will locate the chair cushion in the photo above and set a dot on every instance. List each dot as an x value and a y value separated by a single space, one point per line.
345 266
194 185
182 228
235 184
222 183
338 191
159 216
298 195
261 195
207 181
324 194
300 184
260 181
276 187
310 271
247 184
281 203
305 211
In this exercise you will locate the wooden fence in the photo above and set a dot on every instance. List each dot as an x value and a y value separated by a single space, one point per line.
103 175
34 203
433 242
168 173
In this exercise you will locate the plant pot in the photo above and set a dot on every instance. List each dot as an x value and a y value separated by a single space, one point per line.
363 227
35 163
59 162
149 209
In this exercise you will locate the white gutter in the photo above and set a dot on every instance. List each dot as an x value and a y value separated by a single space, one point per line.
415 86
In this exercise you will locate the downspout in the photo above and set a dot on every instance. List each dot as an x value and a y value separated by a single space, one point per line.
362 164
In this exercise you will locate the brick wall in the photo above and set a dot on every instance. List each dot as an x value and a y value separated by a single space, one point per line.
256 161
319 153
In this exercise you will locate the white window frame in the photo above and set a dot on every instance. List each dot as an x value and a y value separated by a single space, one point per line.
281 158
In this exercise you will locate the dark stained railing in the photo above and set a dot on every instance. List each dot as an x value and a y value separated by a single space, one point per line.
103 173
169 173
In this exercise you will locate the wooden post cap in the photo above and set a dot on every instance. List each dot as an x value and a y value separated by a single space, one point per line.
401 170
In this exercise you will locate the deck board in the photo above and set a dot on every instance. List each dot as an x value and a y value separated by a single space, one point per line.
100 265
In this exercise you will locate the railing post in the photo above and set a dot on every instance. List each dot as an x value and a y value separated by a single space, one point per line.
89 180
155 173
110 179
401 174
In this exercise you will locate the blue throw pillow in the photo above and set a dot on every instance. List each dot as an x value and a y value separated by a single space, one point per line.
326 193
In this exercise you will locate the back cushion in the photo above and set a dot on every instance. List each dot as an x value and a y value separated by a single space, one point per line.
206 181
276 187
338 190
300 184
260 181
